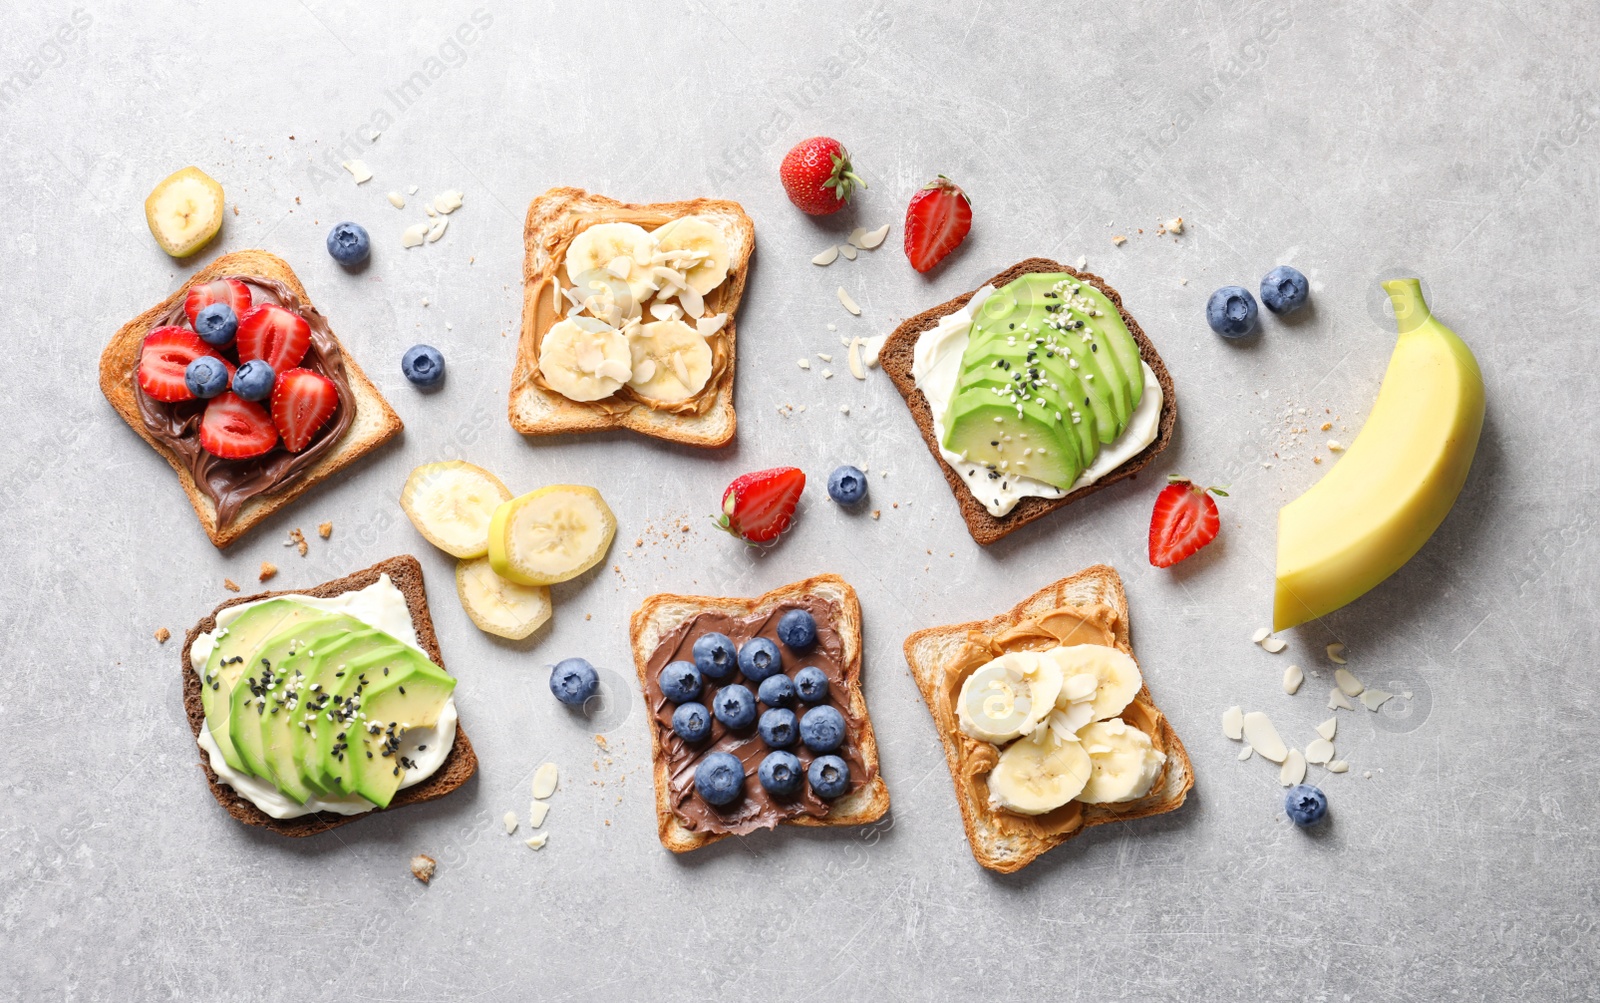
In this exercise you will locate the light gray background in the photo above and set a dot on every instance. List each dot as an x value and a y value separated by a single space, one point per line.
1452 140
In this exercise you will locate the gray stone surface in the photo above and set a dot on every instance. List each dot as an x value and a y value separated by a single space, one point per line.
1455 140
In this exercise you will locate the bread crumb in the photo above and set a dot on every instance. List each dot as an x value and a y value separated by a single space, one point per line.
600 740
1175 225
325 530
422 867
588 616
877 513
230 585
1316 459
299 540
162 635
1119 240
268 569
1327 425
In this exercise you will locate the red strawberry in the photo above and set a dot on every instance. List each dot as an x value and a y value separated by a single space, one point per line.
166 353
230 291
937 221
302 401
757 507
818 177
236 429
1185 520
270 332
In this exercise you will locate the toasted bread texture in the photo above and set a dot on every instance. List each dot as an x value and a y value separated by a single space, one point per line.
896 356
662 614
553 219
406 574
1000 840
375 421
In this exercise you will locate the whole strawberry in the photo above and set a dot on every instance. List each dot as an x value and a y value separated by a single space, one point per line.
937 221
1185 519
758 507
818 176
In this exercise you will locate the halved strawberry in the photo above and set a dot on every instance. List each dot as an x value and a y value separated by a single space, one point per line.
302 401
757 507
270 332
230 291
1185 520
236 429
166 353
937 221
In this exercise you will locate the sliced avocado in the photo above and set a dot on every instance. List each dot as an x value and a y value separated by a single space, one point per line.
260 692
1106 387
324 723
235 643
410 695
286 703
1113 336
986 428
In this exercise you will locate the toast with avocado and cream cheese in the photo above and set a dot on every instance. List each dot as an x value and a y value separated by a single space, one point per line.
1002 840
461 762
897 357
704 417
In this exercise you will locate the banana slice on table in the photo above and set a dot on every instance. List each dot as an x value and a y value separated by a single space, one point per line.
624 248
1039 774
451 504
706 263
1125 762
184 211
584 359
1117 674
500 606
1008 696
550 535
599 293
671 361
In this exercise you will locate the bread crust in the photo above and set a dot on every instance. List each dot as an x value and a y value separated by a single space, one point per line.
896 356
375 422
406 574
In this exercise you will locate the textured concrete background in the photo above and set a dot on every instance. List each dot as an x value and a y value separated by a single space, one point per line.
1453 140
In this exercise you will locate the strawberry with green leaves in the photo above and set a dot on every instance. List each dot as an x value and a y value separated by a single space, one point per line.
1185 519
818 177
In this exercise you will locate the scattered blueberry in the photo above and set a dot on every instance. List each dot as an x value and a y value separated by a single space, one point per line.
680 681
1305 804
714 656
348 243
691 721
847 485
811 684
822 729
735 706
778 728
719 778
829 777
1284 290
254 380
206 377
797 629
216 324
1232 312
423 365
776 690
574 680
781 773
759 659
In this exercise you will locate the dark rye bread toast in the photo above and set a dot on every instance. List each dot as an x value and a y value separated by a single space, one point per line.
406 574
896 356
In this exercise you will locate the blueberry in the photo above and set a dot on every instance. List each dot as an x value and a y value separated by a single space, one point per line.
797 629
714 656
735 706
254 380
348 243
759 659
847 485
1231 312
691 721
423 365
829 777
811 684
822 729
216 325
574 680
680 681
1284 290
776 691
1305 804
719 778
778 728
206 376
781 773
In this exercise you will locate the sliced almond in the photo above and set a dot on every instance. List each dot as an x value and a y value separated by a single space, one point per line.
358 170
538 811
870 347
1373 699
848 303
1338 766
1292 678
873 238
448 202
511 822
396 200
1338 701
414 235
1263 737
1319 751
1083 262
666 311
1273 645
1293 770
692 302
544 780
824 356
1246 753
1336 652
849 251
707 326
827 257
437 229
805 363
1261 634
1233 723
1329 728
855 360
537 841
1348 684
856 235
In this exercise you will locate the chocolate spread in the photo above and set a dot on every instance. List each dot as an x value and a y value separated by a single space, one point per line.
758 808
232 483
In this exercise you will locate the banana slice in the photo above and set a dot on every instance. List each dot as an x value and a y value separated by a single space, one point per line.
451 504
624 248
584 359
550 535
1125 763
499 606
599 293
1039 774
671 361
1118 675
1008 696
706 264
184 211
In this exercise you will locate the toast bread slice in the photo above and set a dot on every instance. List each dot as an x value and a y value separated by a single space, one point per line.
896 357
375 421
661 614
998 840
406 574
552 217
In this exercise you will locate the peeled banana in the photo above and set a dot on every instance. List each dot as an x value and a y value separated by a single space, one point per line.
1116 674
671 361
1008 697
497 605
584 359
694 246
451 504
1124 760
184 211
550 535
626 249
1039 774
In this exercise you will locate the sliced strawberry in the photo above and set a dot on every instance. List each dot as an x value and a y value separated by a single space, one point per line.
1185 520
302 401
937 221
270 332
230 291
236 429
166 353
757 507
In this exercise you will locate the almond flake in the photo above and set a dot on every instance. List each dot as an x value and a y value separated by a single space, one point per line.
544 780
1334 446
538 811
1233 723
855 359
1319 751
1336 653
1328 728
429 210
827 257
1338 701
707 326
873 238
665 311
844 409
805 363
1348 684
1119 240
833 327
856 235
1294 769
448 202
870 347
1246 753
511 822
1260 635
827 374
1273 645
1373 699
849 251
1292 678
620 266
1083 262
358 170
396 200
693 304
1261 735
412 190
1339 766
824 357
437 229
537 841
848 303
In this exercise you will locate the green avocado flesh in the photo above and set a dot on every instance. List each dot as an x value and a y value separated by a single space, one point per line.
235 643
1050 374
